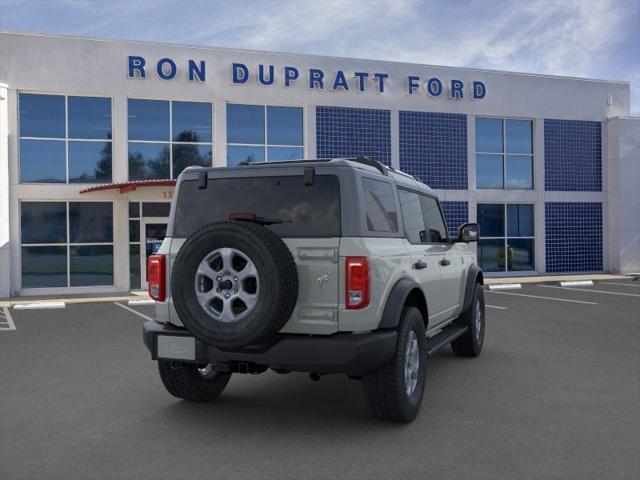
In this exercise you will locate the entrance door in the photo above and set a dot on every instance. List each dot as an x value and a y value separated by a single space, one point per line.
153 233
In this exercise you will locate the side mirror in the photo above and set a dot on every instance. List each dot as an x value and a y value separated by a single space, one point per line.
469 232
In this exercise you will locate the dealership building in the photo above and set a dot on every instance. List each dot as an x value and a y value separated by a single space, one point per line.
93 134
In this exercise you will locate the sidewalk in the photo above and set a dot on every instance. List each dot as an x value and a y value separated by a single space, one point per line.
557 278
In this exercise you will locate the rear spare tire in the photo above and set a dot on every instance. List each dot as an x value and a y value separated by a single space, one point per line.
234 284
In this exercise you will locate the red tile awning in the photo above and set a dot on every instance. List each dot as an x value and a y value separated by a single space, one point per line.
125 187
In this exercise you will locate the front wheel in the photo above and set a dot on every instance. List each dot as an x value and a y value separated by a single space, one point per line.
395 390
192 382
470 344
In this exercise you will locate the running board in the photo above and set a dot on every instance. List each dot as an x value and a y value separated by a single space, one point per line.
444 338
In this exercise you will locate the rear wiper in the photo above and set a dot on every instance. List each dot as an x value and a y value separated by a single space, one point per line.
252 217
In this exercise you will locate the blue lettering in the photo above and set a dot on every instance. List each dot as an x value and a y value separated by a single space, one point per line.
290 74
196 72
412 84
381 77
238 77
136 64
362 77
433 87
340 81
316 77
479 90
161 71
455 90
261 78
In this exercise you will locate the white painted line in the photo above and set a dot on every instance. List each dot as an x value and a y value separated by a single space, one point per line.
546 298
591 290
38 305
622 284
496 307
133 311
8 320
141 302
577 283
506 286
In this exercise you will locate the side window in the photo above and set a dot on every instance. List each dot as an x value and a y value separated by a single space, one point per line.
380 207
412 216
437 230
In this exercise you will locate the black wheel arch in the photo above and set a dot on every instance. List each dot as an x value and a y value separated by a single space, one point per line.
405 292
473 276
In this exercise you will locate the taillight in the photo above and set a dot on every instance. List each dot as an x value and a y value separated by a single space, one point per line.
357 282
155 277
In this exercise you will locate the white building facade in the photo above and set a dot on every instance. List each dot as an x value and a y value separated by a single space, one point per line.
94 132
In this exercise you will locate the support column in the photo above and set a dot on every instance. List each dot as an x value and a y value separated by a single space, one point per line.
5 244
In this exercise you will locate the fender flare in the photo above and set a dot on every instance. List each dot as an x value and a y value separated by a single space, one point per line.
396 301
473 276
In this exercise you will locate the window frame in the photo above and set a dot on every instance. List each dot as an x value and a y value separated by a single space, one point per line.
504 154
265 146
66 139
169 141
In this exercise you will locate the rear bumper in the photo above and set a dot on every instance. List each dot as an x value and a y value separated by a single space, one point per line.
340 353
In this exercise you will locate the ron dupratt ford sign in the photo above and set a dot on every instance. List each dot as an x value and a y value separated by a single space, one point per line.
313 78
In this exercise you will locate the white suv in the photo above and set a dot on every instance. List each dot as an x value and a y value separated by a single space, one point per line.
319 266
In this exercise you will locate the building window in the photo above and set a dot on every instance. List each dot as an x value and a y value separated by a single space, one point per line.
66 244
504 153
65 139
256 133
506 237
166 137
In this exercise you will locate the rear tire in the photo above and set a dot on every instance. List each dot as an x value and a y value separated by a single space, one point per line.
470 344
390 391
187 381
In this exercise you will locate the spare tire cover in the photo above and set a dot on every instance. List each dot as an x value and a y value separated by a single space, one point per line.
234 284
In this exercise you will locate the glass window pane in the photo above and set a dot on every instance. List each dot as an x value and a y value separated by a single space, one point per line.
412 217
134 210
185 155
520 220
520 254
134 267
41 115
191 121
148 120
519 136
236 154
89 117
43 222
156 209
436 228
90 222
491 255
245 124
134 230
284 126
489 135
519 171
285 153
91 265
491 220
89 162
489 171
148 161
42 161
44 267
380 206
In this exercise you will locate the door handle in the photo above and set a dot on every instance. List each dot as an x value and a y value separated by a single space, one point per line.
444 262
419 265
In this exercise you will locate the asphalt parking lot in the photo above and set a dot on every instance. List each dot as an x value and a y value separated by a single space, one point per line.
555 394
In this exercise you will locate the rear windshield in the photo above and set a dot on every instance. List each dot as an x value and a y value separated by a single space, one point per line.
307 210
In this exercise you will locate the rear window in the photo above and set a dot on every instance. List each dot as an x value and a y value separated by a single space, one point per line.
307 210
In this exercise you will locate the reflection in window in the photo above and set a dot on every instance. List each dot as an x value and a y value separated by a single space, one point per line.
89 162
148 161
91 265
412 217
437 230
42 161
380 206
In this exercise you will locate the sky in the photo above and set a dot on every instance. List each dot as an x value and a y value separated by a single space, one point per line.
579 38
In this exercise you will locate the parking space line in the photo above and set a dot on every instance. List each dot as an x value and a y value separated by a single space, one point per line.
622 284
544 298
496 307
7 324
133 311
591 290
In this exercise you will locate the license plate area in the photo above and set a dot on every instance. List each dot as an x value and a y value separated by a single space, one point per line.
172 347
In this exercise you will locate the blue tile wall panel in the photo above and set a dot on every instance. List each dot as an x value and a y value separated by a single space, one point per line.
455 213
433 147
573 236
572 155
345 132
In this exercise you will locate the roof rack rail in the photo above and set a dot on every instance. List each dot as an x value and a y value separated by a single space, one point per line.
370 162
